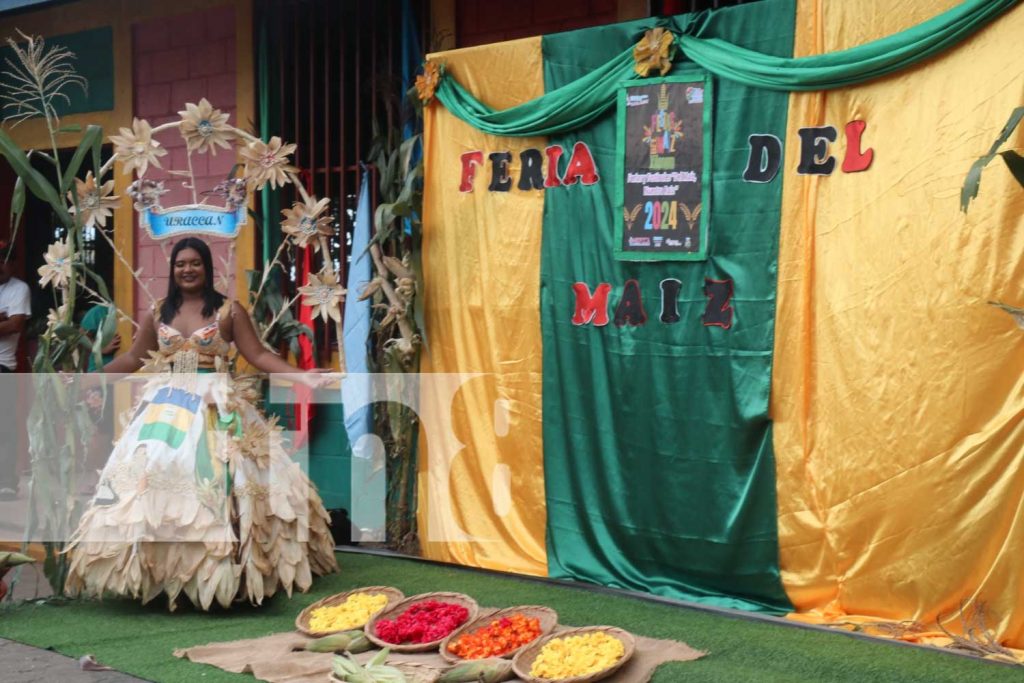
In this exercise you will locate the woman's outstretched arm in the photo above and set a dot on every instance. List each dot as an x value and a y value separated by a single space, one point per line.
250 346
133 358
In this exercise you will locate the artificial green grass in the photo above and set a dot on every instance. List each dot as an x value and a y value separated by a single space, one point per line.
140 640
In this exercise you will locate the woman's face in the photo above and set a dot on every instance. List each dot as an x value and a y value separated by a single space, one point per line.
188 271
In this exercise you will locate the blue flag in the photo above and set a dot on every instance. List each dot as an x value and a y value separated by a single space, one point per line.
368 476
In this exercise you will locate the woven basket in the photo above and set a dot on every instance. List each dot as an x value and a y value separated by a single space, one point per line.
394 610
302 621
523 661
548 620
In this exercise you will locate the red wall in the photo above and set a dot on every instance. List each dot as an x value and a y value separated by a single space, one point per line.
486 21
176 60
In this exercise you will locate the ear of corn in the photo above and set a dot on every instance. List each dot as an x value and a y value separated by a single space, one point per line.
380 657
482 671
12 559
359 643
336 642
374 671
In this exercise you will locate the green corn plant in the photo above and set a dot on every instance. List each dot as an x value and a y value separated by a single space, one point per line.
397 335
1015 163
59 427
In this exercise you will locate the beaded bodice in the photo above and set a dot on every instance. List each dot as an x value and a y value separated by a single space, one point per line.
198 351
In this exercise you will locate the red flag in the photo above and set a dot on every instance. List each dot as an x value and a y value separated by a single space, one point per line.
302 411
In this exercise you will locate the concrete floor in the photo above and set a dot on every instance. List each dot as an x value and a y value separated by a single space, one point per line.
23 664
30 584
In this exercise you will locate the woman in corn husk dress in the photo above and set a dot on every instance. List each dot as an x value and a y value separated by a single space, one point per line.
198 497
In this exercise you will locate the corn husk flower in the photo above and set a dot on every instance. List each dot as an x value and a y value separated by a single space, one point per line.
57 269
94 202
325 294
653 52
136 147
306 221
427 82
234 192
267 162
146 193
56 316
205 128
259 440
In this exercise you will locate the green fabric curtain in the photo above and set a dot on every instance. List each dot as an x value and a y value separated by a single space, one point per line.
846 67
658 462
572 106
578 102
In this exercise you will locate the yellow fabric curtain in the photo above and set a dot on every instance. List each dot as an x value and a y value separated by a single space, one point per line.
898 391
481 482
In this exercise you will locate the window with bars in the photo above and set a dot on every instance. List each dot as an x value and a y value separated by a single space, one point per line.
328 79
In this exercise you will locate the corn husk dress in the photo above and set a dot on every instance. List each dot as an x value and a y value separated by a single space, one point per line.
199 497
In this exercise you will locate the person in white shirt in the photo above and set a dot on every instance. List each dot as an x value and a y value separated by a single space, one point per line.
15 309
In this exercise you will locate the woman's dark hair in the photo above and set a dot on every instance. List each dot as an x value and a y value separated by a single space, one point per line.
212 299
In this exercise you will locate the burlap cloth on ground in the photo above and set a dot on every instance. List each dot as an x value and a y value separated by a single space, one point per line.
274 659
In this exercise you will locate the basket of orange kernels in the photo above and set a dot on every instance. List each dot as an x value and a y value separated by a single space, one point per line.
499 634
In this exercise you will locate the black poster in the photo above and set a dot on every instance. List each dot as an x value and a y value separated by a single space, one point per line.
664 154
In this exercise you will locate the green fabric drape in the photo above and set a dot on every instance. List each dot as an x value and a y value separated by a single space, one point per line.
570 107
658 462
846 67
579 102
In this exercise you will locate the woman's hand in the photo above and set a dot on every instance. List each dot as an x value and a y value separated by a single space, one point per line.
314 378
319 378
113 347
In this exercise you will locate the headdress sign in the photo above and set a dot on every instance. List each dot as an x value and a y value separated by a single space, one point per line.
194 218
205 129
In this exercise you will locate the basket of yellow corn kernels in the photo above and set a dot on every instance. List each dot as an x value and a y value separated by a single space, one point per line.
346 611
575 655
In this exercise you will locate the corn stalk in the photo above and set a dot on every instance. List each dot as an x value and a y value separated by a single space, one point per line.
59 425
397 321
